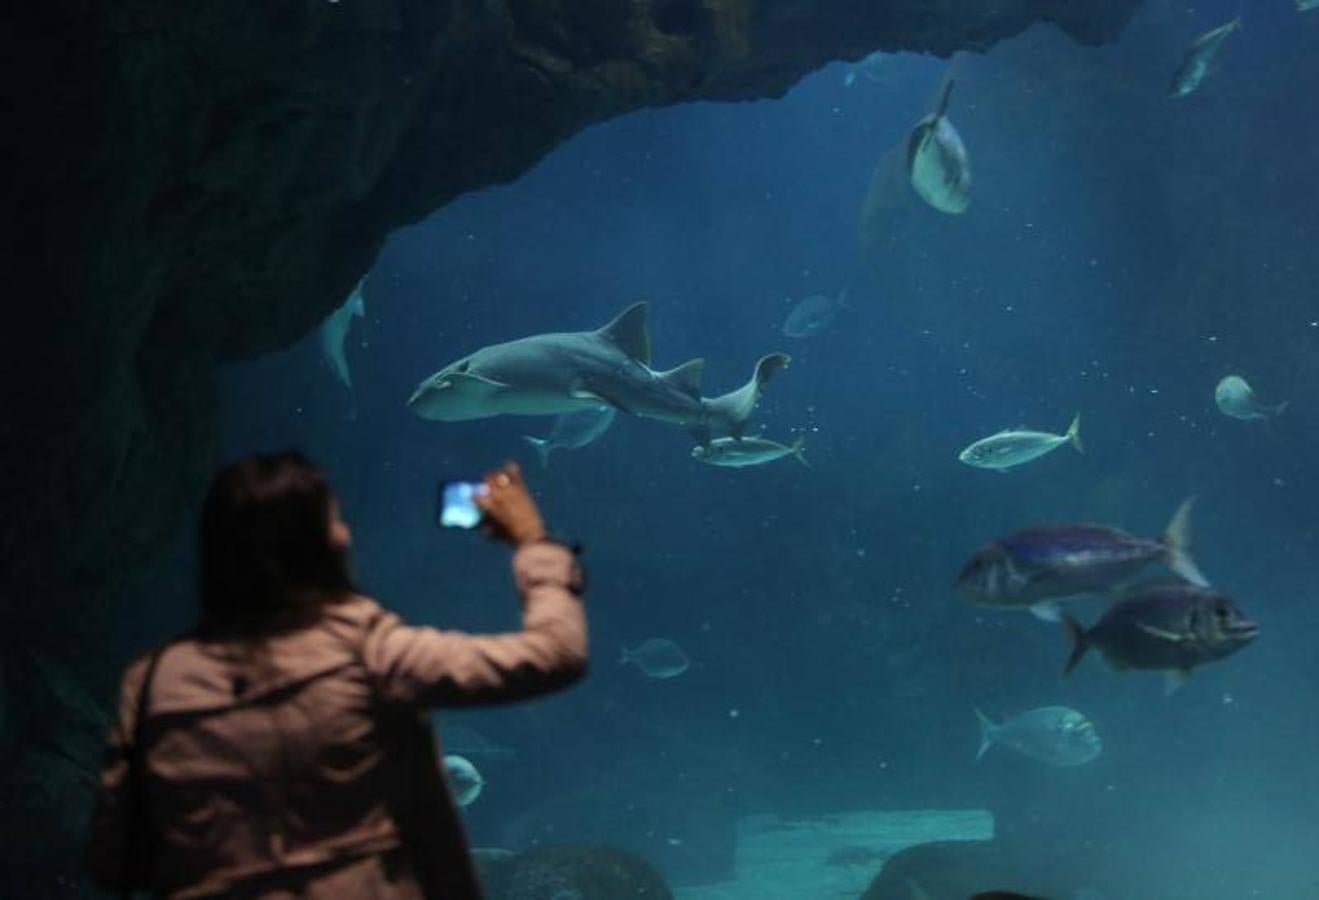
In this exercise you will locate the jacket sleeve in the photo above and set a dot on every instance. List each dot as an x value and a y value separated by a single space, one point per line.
108 839
429 667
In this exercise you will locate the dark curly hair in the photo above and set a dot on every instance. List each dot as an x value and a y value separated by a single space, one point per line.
266 558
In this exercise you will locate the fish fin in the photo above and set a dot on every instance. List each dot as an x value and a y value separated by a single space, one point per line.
738 405
1173 680
1080 642
543 449
987 731
686 377
1047 611
629 333
1161 634
1177 545
477 381
945 97
799 450
1074 433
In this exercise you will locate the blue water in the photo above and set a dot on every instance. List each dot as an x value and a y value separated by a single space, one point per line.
1121 254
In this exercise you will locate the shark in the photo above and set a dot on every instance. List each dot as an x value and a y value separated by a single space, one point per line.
558 373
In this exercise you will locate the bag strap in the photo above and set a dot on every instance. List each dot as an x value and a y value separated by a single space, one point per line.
138 815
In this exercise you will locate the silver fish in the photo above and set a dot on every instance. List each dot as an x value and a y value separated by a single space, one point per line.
738 453
1199 61
464 779
657 658
1055 735
334 332
1015 447
1236 398
937 162
813 315
573 431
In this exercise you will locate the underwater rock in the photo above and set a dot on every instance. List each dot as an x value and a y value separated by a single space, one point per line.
955 870
571 873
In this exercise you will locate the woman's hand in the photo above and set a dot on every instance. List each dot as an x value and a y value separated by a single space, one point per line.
510 513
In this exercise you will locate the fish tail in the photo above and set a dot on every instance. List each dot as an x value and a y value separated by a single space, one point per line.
543 449
1176 542
987 732
1074 433
799 450
1080 642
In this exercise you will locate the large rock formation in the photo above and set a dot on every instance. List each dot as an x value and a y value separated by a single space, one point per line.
196 183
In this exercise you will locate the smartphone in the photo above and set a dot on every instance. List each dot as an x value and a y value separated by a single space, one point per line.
457 504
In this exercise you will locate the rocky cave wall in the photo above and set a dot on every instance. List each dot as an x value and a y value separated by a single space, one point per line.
195 183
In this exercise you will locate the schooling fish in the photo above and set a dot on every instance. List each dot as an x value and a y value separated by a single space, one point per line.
1236 398
1012 448
937 162
738 453
813 315
657 658
1054 735
1199 61
1039 566
1171 628
573 431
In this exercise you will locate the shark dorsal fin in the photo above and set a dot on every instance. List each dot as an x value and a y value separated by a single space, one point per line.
686 377
628 332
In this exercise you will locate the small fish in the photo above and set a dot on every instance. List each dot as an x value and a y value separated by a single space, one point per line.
1039 566
1015 447
1172 628
334 331
738 453
1054 735
872 67
1236 398
1199 61
465 782
573 431
813 315
657 658
937 162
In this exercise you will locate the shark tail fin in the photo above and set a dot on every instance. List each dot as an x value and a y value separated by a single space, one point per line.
1074 433
736 407
1176 542
1080 642
799 450
987 732
543 449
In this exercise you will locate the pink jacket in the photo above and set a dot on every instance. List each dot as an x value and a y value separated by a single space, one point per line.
276 770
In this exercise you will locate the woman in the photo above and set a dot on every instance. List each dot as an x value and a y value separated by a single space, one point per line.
285 748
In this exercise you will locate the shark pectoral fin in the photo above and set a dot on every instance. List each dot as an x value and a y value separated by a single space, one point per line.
686 377
628 332
475 382
1173 680
1161 634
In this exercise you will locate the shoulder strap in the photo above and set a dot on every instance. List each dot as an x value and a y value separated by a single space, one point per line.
137 818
